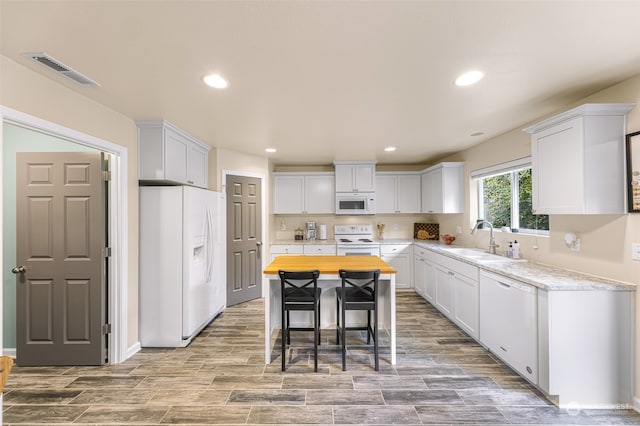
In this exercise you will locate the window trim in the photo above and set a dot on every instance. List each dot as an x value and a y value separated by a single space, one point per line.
520 163
512 168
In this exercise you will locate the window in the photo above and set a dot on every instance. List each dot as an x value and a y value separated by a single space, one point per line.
505 199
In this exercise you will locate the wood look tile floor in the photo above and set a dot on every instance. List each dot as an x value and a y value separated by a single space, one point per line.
442 377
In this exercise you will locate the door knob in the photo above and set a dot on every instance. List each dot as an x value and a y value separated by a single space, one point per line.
19 269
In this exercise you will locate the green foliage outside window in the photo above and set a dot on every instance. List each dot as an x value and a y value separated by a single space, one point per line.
498 199
528 220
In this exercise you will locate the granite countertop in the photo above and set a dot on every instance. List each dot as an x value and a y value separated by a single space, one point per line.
542 276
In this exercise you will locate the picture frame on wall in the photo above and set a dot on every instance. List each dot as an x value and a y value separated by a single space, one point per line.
633 172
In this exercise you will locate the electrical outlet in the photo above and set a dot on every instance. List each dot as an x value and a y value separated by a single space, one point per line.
576 245
458 229
635 251
395 226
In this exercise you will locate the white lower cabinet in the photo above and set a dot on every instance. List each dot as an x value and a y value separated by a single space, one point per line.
508 322
456 285
585 352
302 249
465 303
424 275
418 275
399 256
444 291
575 345
320 249
285 249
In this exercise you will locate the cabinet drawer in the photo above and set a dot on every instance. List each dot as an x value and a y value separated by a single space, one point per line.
286 249
329 249
395 248
458 266
421 251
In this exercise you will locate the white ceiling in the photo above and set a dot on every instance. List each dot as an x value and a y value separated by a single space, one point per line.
333 80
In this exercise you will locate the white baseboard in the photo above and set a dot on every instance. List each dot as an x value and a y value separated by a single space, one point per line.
133 350
9 351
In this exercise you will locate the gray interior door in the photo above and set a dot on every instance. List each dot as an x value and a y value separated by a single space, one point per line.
60 261
244 233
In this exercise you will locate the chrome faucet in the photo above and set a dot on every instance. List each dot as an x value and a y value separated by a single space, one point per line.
492 241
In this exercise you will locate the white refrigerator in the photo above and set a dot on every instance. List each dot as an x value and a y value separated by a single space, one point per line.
182 263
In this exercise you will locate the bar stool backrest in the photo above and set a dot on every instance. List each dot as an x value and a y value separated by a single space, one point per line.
299 284
362 283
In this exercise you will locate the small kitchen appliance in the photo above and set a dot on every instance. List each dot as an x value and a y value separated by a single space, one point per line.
356 203
311 231
322 232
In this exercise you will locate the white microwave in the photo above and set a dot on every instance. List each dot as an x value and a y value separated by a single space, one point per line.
356 203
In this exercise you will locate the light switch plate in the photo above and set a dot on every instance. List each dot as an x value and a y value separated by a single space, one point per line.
635 251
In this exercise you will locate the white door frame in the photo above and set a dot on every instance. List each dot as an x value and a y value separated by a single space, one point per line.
223 190
118 222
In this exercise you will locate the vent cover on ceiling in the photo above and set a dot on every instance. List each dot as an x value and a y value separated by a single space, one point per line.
60 68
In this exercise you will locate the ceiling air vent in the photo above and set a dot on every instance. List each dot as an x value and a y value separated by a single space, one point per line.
60 68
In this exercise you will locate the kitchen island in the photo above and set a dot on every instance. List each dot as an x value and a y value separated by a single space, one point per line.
328 281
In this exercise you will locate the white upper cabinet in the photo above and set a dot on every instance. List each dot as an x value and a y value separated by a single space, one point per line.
167 154
577 160
443 188
355 177
295 193
397 193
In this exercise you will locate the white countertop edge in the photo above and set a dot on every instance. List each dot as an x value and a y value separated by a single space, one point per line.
304 242
545 277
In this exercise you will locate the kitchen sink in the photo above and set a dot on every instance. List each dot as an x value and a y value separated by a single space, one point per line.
478 255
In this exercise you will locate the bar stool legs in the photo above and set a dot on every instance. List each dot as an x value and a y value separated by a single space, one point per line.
359 291
300 292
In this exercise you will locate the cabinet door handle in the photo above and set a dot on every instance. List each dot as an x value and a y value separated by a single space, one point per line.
502 347
505 285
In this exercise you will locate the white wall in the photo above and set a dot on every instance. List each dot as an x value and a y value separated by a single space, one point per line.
31 93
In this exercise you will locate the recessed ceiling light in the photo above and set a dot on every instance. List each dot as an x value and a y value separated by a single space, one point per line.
390 148
271 150
469 78
215 81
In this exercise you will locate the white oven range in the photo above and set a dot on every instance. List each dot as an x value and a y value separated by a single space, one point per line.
356 240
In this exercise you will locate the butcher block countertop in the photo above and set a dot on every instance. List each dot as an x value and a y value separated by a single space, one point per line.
327 264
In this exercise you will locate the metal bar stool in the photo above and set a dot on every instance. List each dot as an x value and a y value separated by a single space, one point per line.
358 292
300 292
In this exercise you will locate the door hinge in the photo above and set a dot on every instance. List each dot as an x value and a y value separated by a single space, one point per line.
106 252
106 175
106 329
